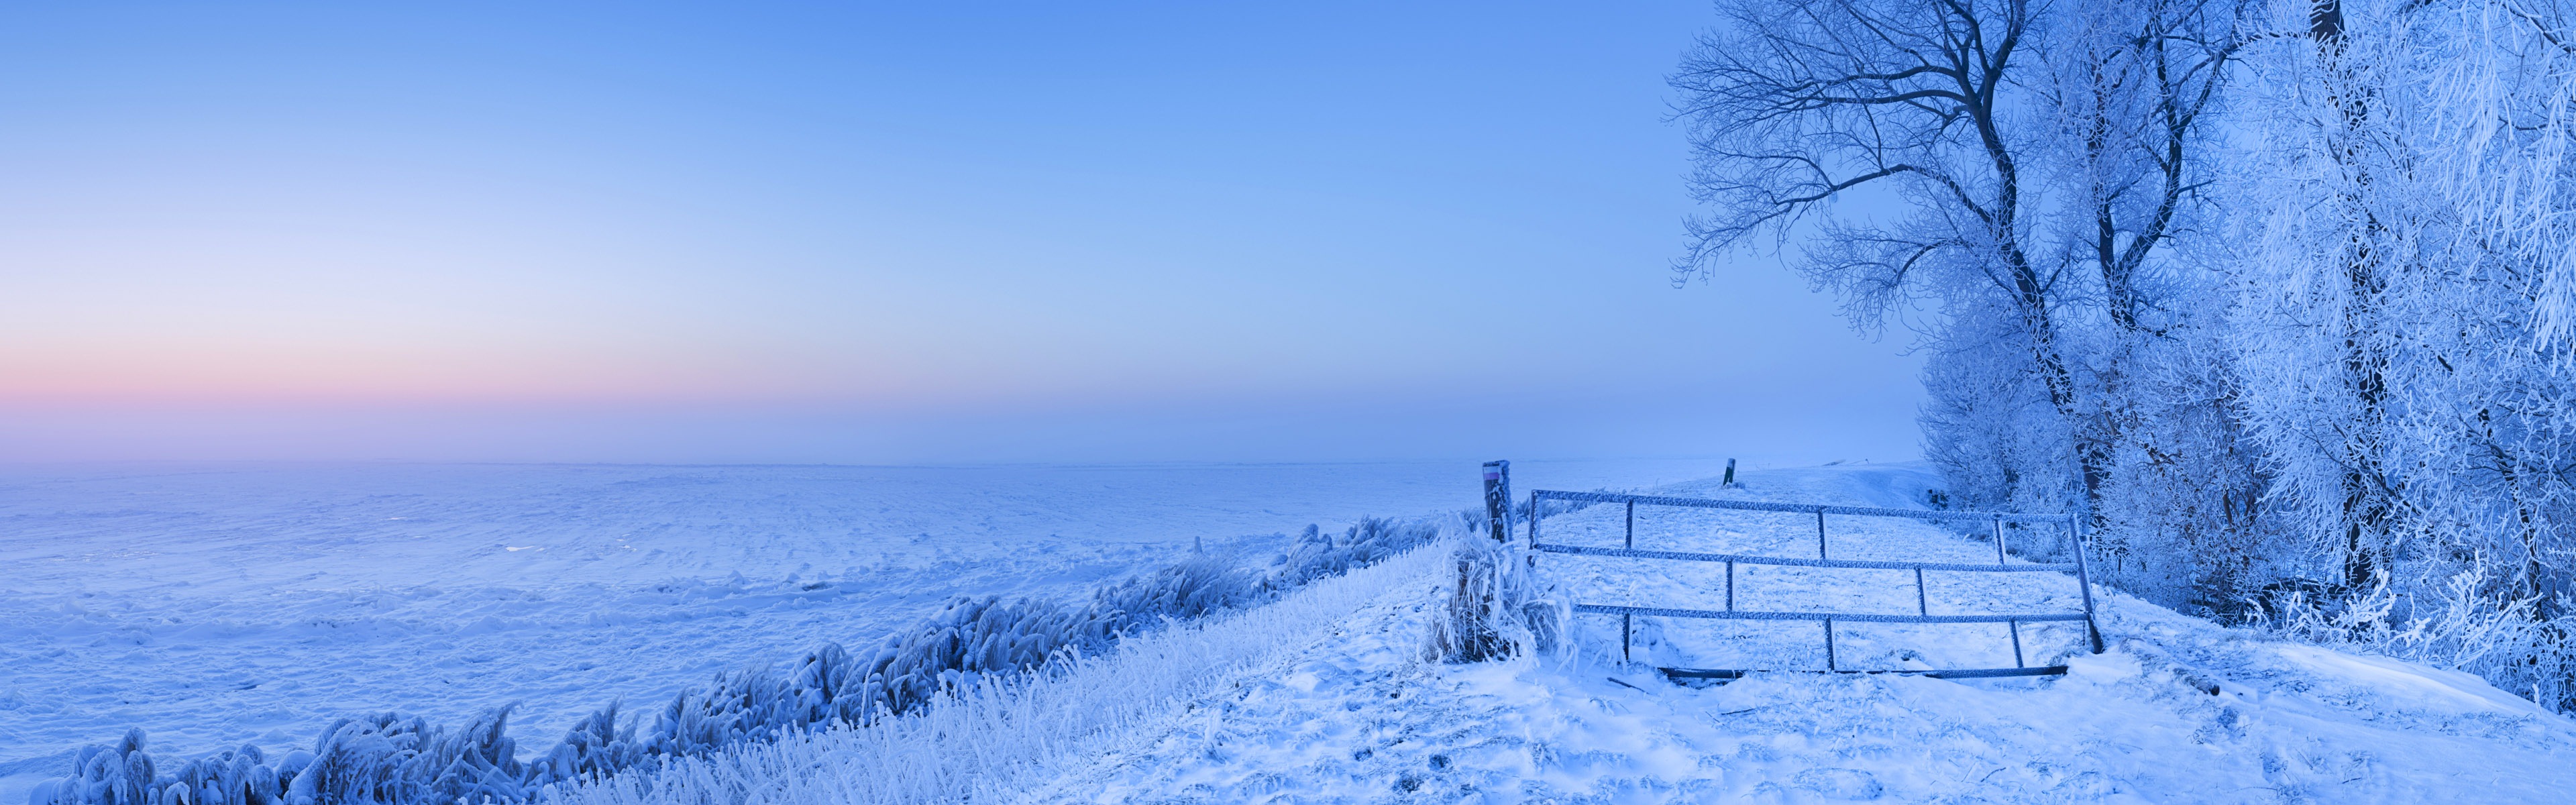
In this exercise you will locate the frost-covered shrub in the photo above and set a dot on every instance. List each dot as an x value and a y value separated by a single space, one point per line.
393 760
117 774
1316 554
1496 608
2460 623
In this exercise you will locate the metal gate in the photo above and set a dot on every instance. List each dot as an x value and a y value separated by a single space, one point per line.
2072 529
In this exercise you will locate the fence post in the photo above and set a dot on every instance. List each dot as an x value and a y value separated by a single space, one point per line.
1922 604
1820 532
1498 499
1830 664
1533 529
2015 626
1624 631
2084 576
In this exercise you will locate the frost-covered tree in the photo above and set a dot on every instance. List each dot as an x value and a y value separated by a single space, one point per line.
2402 316
2281 292
1796 108
2023 176
2130 98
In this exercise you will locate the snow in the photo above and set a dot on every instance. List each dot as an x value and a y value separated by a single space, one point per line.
1366 719
217 605
2451 691
1327 696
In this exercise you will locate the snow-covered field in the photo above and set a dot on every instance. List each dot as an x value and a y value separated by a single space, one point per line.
1326 696
220 605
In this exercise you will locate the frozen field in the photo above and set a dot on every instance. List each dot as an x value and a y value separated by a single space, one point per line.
218 605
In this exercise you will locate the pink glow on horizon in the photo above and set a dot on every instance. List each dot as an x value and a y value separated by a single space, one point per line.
876 232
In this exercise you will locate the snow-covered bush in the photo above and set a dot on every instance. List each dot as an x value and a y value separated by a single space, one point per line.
2459 623
1495 607
393 760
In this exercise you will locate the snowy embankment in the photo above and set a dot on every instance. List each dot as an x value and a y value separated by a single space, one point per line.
993 740
1366 719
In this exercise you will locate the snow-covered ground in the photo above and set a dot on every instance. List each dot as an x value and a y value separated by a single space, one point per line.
220 605
1366 719
1325 697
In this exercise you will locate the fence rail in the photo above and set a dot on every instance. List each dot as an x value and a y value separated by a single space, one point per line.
1749 559
2073 531
1797 508
1854 617
1943 673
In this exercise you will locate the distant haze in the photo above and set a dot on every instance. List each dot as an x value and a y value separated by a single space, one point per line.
897 233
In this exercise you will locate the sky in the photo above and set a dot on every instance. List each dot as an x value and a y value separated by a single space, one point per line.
885 233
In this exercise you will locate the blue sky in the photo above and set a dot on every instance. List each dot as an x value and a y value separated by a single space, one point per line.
852 233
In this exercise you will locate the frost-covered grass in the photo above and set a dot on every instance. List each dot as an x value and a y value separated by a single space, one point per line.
986 739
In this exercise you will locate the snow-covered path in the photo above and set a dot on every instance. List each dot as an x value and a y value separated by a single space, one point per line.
1367 720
